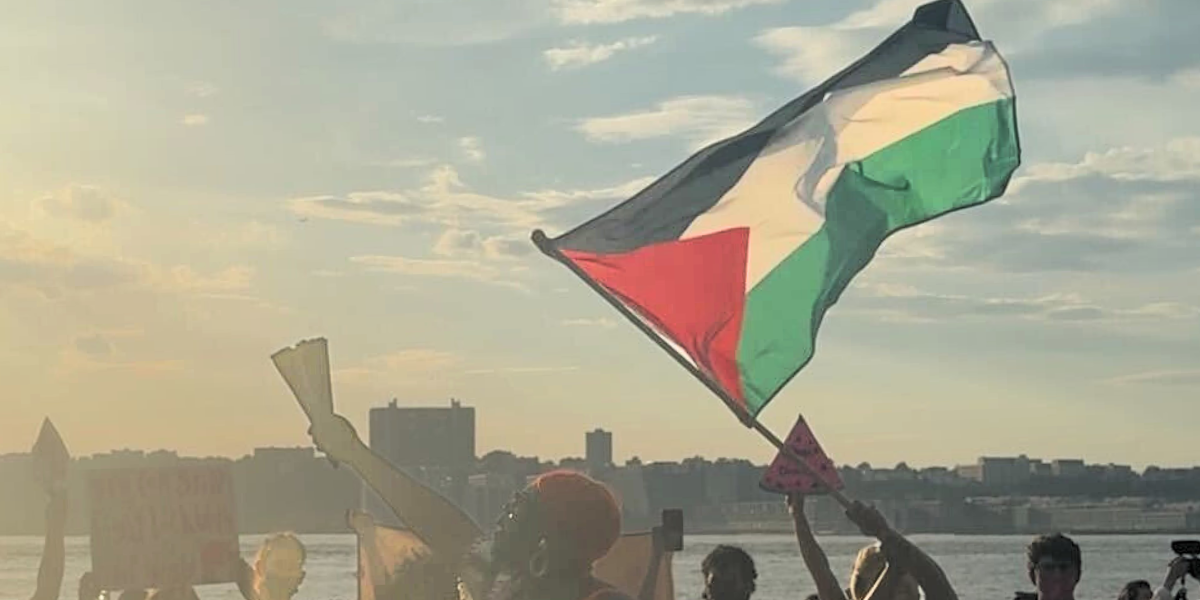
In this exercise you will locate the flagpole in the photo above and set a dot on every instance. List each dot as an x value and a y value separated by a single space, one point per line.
750 421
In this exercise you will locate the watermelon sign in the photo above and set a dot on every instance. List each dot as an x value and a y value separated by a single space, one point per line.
784 476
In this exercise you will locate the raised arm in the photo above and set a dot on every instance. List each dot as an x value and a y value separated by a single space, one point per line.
828 587
447 530
54 552
904 554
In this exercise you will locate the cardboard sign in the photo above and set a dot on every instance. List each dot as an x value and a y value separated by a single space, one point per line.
784 476
159 527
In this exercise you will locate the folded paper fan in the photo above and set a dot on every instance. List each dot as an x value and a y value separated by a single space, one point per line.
305 368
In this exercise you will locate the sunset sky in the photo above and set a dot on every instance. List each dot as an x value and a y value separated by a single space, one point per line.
186 188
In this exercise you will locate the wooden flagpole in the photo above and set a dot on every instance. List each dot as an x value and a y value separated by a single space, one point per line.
750 421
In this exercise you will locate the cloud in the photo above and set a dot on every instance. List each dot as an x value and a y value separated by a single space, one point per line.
194 120
519 370
1187 78
96 352
406 163
811 54
202 89
904 303
617 11
699 119
1189 378
52 270
413 364
580 54
186 279
445 200
430 119
472 148
82 202
559 198
602 322
467 269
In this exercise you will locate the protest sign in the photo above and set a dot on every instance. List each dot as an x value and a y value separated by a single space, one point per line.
163 526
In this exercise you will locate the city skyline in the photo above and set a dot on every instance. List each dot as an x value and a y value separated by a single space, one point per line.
612 442
186 190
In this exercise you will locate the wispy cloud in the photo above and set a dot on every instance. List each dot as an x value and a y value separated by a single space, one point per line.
699 119
520 370
400 365
194 120
202 89
445 200
471 244
430 119
406 163
82 202
617 11
472 148
581 54
1187 378
811 54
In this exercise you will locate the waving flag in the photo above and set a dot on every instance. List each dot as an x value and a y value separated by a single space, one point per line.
731 260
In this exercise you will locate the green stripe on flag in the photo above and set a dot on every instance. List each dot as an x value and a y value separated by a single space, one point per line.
961 161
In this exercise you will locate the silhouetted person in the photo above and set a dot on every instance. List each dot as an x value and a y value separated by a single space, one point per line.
278 569
1055 565
54 552
1136 590
1176 571
729 574
543 546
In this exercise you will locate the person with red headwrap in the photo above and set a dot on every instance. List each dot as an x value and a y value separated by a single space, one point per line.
551 534
542 548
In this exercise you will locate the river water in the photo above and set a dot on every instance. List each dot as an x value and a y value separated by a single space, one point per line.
981 567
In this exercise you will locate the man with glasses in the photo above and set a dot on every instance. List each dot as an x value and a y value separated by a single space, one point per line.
1055 564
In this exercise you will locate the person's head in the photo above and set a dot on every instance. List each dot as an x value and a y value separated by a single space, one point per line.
279 566
556 528
1137 590
869 566
1054 564
729 574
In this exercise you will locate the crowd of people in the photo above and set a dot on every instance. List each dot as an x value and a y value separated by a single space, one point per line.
551 533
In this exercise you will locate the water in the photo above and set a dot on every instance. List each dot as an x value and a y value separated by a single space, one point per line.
981 567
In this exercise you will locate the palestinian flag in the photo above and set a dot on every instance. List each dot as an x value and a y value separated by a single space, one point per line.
731 260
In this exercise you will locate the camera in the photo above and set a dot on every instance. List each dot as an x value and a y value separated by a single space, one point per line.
1190 551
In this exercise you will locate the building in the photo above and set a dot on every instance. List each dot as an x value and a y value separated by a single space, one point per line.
599 449
1071 468
1005 471
435 445
412 436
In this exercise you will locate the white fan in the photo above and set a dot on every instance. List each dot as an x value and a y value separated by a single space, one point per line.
305 368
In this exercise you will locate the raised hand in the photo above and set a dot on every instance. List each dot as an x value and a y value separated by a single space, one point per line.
335 437
869 520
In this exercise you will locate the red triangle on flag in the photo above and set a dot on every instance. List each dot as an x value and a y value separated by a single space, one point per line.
784 476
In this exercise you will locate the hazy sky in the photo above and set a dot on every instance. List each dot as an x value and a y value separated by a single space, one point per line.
186 187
